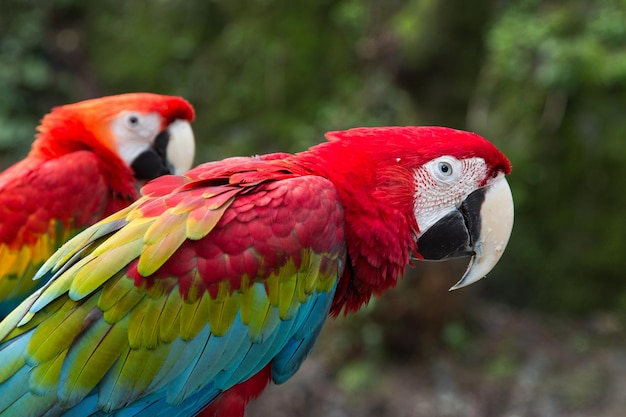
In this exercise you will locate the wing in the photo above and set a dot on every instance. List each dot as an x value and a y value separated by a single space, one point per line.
166 304
42 204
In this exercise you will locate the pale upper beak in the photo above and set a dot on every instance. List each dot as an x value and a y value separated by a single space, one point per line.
479 228
181 147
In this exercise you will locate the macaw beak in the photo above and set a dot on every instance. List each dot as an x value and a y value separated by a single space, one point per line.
479 228
171 153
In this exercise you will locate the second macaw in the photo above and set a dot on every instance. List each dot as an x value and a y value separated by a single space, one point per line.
86 163
219 281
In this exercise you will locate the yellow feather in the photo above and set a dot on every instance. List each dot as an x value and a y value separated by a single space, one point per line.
8 259
103 267
4 266
58 331
286 297
161 240
21 320
169 328
135 325
223 309
193 317
187 205
326 280
123 306
311 277
22 259
158 288
259 310
247 295
196 288
143 326
129 233
273 284
114 290
202 221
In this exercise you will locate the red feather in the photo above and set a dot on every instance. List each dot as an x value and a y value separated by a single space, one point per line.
71 178
349 201
232 403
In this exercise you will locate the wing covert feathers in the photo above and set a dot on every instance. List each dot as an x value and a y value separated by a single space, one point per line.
192 289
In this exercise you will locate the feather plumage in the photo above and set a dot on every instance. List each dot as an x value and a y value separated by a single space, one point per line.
73 176
214 283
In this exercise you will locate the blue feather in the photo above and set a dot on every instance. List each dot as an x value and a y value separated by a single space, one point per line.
288 360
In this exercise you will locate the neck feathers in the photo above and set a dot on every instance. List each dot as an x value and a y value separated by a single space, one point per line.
64 131
376 192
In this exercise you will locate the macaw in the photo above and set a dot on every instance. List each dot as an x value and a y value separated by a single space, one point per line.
88 161
216 282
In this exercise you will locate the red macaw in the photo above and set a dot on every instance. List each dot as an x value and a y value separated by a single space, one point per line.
84 165
216 282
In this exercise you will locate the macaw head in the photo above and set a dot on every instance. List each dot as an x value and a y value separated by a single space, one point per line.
463 203
430 193
150 133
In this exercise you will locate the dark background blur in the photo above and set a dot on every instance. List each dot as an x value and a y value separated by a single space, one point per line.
544 80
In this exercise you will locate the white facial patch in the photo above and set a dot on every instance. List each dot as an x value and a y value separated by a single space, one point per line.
134 133
441 186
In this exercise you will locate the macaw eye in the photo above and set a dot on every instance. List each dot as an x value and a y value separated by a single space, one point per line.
445 168
133 120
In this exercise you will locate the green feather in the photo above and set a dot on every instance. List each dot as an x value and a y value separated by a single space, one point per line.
286 299
123 306
143 326
311 277
93 274
91 358
133 373
44 378
56 333
114 290
261 316
223 309
57 287
193 317
169 322
273 283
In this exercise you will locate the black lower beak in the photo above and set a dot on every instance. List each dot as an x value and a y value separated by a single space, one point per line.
454 234
152 162
480 228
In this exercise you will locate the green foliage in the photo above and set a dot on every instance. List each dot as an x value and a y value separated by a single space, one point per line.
264 75
455 335
552 92
24 74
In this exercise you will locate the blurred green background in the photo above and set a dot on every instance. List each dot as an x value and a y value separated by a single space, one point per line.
544 80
